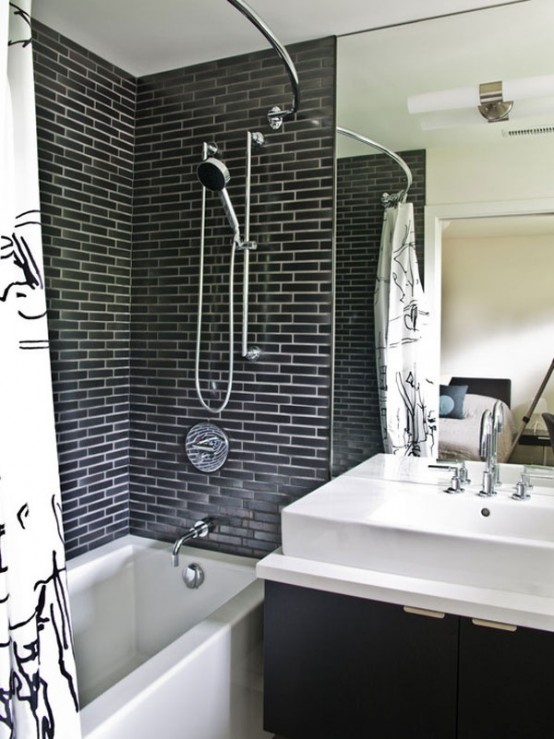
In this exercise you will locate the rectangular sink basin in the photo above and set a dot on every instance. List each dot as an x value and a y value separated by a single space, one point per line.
415 529
411 469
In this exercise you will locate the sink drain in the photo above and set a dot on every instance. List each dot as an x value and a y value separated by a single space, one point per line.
485 512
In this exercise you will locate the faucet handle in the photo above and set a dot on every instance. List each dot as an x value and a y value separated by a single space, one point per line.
464 474
522 487
524 484
455 482
460 475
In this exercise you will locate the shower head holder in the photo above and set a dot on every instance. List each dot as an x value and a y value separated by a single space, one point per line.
209 149
247 245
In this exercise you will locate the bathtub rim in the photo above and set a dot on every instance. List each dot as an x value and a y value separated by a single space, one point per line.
94 556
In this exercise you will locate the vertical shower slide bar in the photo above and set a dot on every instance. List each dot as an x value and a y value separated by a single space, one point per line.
254 352
246 263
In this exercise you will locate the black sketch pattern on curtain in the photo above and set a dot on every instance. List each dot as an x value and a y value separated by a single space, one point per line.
414 418
46 627
21 279
27 38
37 675
19 271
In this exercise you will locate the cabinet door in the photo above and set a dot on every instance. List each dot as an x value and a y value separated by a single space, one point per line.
339 667
505 683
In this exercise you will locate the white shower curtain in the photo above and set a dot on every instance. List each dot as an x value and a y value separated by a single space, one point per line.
406 390
38 697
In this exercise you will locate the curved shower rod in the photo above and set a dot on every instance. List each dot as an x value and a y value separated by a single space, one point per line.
275 116
386 199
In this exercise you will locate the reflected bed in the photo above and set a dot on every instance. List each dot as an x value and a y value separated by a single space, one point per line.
459 432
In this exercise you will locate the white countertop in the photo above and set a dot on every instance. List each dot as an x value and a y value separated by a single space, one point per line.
463 600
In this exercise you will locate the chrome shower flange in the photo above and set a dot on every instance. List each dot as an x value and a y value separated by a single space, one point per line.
253 354
275 117
258 139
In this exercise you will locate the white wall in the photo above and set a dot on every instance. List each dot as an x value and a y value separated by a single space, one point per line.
512 169
498 312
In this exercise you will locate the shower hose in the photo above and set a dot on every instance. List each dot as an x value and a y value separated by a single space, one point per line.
199 326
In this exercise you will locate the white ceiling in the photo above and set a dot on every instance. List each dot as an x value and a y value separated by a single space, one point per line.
144 37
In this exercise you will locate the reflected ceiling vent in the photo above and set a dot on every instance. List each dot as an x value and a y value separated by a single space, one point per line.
534 131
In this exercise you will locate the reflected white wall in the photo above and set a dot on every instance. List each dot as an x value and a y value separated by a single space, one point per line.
498 312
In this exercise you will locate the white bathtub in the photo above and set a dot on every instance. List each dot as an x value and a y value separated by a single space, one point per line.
157 660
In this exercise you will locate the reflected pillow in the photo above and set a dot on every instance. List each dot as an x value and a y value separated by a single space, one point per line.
451 401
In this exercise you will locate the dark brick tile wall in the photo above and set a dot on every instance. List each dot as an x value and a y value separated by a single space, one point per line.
85 120
360 183
278 418
124 403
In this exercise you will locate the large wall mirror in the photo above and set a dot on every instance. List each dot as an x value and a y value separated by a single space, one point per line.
487 190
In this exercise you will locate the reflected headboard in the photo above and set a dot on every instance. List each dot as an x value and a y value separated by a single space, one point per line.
487 386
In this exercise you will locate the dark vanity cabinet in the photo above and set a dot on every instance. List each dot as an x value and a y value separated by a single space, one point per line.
338 667
506 683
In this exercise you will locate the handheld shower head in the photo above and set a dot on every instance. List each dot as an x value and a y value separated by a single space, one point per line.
214 176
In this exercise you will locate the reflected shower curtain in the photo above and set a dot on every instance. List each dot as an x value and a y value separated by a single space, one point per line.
38 697
406 390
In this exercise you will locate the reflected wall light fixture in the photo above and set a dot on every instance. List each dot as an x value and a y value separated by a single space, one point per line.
492 102
492 105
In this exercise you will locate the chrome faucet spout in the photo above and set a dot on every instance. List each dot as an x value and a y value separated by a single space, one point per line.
497 427
199 530
487 454
485 438
492 422
178 544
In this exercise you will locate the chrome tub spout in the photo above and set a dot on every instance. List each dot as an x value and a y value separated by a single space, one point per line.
200 529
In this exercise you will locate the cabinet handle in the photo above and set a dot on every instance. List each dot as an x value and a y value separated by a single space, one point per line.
493 625
423 612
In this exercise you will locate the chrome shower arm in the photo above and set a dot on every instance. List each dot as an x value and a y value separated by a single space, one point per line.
276 116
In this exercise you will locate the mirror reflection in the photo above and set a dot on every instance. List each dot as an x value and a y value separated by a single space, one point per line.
488 287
